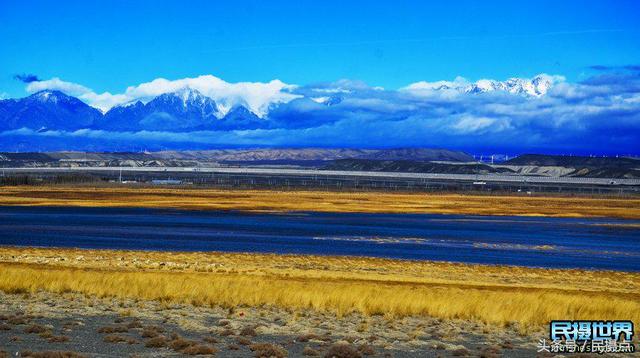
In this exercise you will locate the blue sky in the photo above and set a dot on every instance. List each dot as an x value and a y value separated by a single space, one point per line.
109 45
336 73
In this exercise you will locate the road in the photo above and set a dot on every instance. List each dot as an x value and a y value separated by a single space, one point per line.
334 173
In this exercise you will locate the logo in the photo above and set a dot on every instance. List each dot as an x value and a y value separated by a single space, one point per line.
589 337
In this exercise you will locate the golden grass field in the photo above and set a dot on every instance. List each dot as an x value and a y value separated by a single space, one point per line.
394 288
371 202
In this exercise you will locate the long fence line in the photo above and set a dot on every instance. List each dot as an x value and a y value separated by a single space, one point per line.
479 178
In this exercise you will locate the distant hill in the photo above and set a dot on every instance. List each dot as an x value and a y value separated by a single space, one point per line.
314 157
408 166
572 161
318 154
595 167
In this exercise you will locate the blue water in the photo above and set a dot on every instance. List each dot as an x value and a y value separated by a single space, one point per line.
540 242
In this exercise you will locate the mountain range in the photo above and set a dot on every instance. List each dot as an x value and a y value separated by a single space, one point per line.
189 110
181 111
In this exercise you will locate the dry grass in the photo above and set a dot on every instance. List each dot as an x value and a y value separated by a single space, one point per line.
372 202
394 288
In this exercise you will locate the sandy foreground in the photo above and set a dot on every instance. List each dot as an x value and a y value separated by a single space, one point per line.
320 201
123 303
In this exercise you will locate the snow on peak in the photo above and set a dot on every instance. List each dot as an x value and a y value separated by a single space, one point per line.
190 96
534 87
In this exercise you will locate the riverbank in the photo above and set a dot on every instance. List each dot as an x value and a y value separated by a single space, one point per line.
320 201
498 295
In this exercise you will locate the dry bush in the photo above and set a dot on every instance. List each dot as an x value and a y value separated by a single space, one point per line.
506 345
490 352
118 338
342 351
18 319
134 324
113 329
308 351
151 331
51 354
5 327
211 340
461 352
157 342
4 354
199 349
179 343
227 332
36 328
268 350
366 350
46 334
248 332
243 341
233 347
58 339
223 323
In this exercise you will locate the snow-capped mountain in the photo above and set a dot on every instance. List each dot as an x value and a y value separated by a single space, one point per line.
534 87
189 110
537 86
47 110
183 110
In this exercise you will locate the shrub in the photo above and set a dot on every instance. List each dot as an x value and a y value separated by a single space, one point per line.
118 338
228 332
113 329
134 324
461 352
51 354
366 350
150 332
248 331
210 340
179 343
16 320
268 350
342 351
35 328
199 349
156 342
58 339
308 337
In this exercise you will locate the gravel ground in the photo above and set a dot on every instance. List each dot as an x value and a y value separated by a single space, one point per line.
95 327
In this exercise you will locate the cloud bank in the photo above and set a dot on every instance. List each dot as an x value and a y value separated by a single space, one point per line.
256 96
600 115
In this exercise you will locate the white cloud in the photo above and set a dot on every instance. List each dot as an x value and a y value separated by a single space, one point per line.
70 88
457 83
256 96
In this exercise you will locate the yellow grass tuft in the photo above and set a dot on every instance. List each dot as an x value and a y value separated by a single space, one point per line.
495 295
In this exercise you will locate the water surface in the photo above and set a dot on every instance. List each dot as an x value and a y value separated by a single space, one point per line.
541 242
